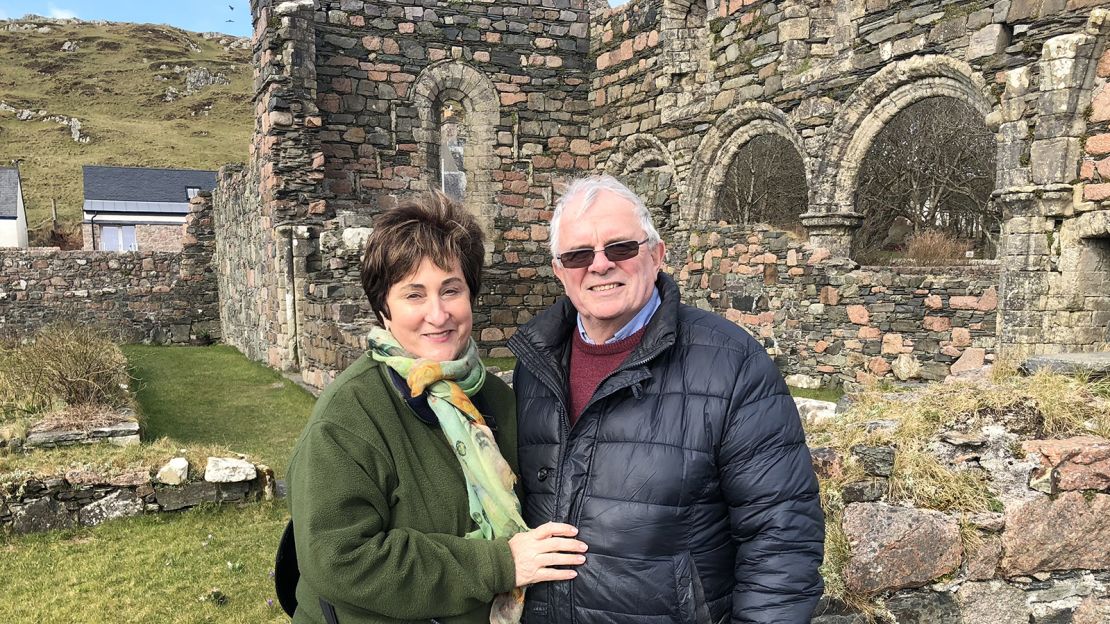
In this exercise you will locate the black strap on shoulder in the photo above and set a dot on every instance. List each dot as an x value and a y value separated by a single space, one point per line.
328 611
286 571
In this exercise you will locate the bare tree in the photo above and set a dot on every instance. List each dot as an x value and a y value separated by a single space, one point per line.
765 183
930 168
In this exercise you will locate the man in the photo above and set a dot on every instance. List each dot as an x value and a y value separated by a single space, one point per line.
664 433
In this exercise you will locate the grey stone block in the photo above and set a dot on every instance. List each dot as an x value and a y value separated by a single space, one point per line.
44 514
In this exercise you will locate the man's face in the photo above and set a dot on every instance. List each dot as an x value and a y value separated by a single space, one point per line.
607 294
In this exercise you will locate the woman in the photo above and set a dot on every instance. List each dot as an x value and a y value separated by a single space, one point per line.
402 503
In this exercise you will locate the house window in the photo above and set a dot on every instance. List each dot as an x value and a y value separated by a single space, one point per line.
192 191
118 238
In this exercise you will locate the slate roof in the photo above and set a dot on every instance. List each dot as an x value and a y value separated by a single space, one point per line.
141 189
9 192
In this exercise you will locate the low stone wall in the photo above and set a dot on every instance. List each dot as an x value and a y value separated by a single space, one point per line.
1040 559
84 498
830 321
159 297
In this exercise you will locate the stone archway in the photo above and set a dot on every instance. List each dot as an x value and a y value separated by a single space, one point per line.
715 154
831 217
473 91
646 166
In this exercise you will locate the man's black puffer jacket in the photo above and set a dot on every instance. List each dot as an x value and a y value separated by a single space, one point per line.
687 475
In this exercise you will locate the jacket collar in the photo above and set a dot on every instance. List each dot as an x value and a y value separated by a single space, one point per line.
541 343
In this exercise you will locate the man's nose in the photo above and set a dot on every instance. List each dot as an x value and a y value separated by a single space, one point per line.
601 263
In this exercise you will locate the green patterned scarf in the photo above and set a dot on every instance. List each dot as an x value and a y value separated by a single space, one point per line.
489 479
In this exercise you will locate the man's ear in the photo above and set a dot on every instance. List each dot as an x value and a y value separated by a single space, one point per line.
558 270
659 253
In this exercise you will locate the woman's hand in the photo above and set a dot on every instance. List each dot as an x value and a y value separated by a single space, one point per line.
537 552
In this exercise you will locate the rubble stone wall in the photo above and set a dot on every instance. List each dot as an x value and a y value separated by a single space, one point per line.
663 94
160 297
159 237
85 498
828 322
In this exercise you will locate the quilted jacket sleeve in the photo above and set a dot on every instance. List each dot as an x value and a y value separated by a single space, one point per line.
774 505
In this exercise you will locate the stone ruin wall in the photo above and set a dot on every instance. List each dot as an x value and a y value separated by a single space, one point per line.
150 296
679 89
345 96
663 94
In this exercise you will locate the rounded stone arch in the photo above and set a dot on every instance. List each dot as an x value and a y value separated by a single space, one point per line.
645 165
636 152
731 132
456 81
872 105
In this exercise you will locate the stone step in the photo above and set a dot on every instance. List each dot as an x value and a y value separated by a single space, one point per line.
1095 364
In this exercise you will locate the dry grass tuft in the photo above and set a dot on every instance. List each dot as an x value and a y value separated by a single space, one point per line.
921 479
936 247
81 418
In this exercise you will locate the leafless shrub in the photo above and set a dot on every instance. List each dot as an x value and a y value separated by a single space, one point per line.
62 365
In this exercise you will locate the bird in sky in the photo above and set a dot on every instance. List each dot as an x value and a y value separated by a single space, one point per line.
231 7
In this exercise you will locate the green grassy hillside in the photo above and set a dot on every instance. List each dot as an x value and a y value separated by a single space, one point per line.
115 83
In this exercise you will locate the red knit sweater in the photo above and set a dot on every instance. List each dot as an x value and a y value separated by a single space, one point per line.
590 364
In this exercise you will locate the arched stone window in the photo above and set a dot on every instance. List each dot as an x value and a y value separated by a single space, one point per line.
457 113
871 108
646 166
750 167
924 187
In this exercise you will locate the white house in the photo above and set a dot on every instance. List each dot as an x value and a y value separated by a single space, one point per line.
13 215
139 208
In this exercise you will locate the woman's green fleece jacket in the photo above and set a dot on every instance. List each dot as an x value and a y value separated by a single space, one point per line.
379 507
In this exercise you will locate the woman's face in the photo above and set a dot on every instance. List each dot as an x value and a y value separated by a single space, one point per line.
429 312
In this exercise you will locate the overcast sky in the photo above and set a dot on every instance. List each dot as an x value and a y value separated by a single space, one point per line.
195 15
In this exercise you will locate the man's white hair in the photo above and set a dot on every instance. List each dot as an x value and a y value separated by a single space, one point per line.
587 189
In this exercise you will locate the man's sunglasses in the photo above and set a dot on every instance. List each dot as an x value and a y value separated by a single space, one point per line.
615 252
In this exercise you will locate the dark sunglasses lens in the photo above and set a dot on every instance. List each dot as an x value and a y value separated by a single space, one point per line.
577 259
622 251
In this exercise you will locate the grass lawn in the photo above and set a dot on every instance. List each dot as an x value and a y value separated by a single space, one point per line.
147 569
157 568
213 395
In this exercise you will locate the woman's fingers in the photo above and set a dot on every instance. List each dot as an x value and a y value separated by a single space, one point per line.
564 544
555 529
554 574
548 560
537 552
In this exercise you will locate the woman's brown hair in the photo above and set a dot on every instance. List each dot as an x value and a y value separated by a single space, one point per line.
429 226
